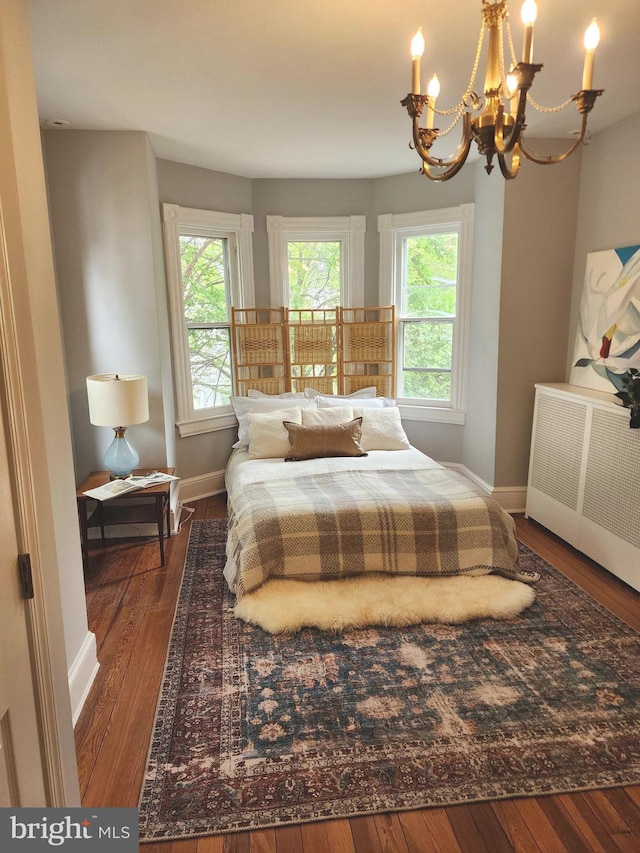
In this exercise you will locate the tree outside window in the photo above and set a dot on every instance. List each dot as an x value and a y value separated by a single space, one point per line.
204 268
209 262
425 266
428 313
315 273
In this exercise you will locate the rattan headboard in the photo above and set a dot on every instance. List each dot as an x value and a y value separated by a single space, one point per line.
334 350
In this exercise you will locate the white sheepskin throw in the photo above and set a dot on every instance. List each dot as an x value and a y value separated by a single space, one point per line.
286 606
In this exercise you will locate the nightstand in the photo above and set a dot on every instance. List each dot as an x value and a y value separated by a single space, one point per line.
142 506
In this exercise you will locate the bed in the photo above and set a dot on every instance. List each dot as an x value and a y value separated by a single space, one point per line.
383 510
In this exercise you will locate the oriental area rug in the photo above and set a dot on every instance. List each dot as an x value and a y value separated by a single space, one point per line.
257 730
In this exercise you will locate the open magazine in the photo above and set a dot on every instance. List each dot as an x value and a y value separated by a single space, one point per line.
114 488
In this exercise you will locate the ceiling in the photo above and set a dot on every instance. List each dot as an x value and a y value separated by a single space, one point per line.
299 89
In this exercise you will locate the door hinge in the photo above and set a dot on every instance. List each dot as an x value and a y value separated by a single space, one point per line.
26 577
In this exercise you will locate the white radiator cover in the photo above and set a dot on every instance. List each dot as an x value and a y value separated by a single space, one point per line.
584 476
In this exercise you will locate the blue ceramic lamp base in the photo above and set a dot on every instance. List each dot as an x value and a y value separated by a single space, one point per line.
121 458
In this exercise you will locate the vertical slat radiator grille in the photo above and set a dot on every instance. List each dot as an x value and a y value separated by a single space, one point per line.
612 485
558 453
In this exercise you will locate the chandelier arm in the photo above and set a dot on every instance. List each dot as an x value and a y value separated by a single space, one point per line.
453 169
554 158
510 173
526 72
457 158
506 144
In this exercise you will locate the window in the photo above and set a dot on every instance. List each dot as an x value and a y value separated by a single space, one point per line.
209 269
316 262
425 267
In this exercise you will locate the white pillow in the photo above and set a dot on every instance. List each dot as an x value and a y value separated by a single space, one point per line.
363 392
268 438
252 392
327 417
325 402
242 406
381 429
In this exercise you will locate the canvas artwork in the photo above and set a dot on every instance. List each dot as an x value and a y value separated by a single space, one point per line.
608 336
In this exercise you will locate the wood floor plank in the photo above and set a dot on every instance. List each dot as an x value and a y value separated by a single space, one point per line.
190 845
586 820
289 839
314 837
607 812
539 825
566 830
390 833
633 793
513 824
365 835
213 844
626 809
262 841
339 836
490 827
131 602
439 832
466 830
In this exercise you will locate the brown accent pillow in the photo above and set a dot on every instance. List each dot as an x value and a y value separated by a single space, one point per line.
314 442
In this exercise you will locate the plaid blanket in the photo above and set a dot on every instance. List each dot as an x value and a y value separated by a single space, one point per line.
415 522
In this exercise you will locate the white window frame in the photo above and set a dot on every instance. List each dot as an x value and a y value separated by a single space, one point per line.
348 230
238 229
393 229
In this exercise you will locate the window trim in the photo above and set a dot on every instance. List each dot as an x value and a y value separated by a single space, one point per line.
393 229
349 230
238 228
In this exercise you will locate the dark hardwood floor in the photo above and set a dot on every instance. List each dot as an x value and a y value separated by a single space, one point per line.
131 602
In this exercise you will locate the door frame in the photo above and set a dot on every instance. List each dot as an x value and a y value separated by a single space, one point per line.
12 399
26 273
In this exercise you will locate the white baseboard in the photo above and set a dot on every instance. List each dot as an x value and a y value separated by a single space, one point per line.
203 486
82 673
511 498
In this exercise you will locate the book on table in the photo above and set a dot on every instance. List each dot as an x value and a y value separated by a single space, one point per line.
114 488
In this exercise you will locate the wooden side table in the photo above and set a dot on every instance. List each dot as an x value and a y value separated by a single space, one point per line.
121 510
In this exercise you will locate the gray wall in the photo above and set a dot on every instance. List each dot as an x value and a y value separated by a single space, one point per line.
541 207
479 432
104 211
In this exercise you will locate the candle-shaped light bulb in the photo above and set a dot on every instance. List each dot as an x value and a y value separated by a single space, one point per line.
592 36
511 88
528 13
591 41
417 49
433 90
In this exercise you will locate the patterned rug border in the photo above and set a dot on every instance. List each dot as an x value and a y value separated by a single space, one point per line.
169 698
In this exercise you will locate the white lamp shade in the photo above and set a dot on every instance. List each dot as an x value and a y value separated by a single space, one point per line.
117 399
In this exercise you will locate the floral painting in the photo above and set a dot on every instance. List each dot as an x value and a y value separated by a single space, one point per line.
608 336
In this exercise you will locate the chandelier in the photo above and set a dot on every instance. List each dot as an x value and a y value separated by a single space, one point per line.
495 120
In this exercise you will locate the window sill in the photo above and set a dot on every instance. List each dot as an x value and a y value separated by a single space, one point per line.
432 414
224 420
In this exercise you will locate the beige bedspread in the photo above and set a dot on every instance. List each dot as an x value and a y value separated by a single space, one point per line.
319 524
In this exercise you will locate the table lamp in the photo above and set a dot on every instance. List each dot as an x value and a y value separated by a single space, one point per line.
118 399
